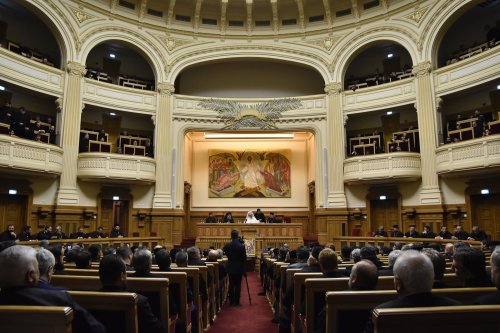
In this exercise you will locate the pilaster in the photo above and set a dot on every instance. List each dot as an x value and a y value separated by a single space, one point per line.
430 193
336 154
163 147
71 116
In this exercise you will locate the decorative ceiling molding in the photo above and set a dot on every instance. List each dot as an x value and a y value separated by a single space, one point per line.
326 43
62 16
417 16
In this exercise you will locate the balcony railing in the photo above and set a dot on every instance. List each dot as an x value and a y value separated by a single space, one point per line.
398 166
30 156
474 154
116 167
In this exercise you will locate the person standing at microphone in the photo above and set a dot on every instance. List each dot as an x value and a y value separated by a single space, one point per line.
236 255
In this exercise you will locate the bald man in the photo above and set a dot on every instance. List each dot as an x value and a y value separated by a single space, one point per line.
364 276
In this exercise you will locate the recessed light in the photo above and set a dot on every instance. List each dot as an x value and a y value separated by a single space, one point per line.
116 198
388 113
485 191
249 135
498 87
12 192
112 114
382 197
112 55
2 88
390 55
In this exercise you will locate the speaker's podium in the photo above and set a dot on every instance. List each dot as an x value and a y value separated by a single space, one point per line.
258 235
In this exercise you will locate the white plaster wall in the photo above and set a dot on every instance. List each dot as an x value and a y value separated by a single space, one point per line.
44 190
356 195
410 192
299 174
143 195
453 190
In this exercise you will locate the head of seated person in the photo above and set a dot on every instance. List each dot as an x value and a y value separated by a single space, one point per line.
370 253
181 259
112 271
18 267
413 273
364 276
142 261
163 260
46 263
213 255
469 265
95 251
438 263
328 261
495 267
83 260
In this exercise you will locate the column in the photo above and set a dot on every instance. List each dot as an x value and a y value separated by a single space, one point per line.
430 193
70 133
336 154
163 147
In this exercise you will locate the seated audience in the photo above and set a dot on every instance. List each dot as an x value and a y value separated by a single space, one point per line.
391 261
19 275
126 254
142 262
302 256
95 251
413 280
113 276
83 260
345 253
460 234
477 234
25 234
469 265
370 253
58 252
494 297
163 260
364 276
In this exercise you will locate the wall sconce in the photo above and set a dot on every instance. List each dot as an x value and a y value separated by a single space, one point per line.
42 213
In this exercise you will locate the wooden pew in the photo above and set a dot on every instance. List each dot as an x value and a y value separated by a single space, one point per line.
100 303
356 305
193 273
136 285
298 281
40 319
458 319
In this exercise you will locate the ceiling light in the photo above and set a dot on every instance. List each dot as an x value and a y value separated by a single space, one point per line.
12 192
112 114
2 88
485 191
390 55
498 87
389 113
382 197
116 198
112 55
249 135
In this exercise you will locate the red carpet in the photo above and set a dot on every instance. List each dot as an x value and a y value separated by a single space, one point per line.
255 318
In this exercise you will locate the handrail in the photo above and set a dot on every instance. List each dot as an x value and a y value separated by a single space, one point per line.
106 241
339 241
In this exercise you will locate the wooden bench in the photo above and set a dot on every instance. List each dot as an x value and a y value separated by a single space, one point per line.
40 319
193 274
143 286
458 319
355 306
99 304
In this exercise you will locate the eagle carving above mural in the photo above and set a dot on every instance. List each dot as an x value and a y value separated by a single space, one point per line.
262 116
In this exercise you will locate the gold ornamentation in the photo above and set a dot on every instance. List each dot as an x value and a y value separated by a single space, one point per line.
325 43
80 15
75 68
166 89
422 69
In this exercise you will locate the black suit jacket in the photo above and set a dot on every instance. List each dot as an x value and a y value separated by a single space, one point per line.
236 255
83 322
493 298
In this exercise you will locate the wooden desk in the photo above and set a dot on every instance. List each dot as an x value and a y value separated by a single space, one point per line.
99 147
134 150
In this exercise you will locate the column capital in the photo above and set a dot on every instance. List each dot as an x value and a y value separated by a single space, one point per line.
333 88
165 89
75 68
422 69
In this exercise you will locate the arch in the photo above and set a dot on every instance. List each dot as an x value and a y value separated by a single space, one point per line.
183 61
364 40
441 21
57 22
149 51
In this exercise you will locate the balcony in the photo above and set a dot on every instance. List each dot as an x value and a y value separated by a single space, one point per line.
30 157
473 156
382 167
116 168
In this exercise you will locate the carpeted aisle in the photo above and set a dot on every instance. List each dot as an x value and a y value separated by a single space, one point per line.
255 318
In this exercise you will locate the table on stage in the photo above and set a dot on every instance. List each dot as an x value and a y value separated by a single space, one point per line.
264 234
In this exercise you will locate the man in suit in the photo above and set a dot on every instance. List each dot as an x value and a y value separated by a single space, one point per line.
116 233
79 234
260 216
469 265
427 233
236 254
477 234
364 276
396 232
413 280
494 297
46 263
380 232
58 234
412 233
97 234
163 260
19 276
460 234
444 233
113 276
45 233
8 234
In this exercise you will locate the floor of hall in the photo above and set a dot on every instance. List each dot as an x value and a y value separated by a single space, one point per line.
248 318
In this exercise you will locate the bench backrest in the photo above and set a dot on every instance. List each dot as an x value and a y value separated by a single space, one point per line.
40 319
458 319
123 307
338 303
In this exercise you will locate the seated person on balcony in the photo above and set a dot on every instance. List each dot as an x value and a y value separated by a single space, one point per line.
380 232
377 147
427 233
37 128
38 138
477 128
102 136
150 151
354 153
210 218
477 234
135 143
259 215
396 232
456 139
459 233
52 132
22 123
486 132
84 143
492 33
7 114
412 233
